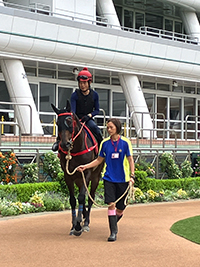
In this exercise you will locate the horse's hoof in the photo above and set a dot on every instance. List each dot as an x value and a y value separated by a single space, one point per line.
86 228
71 232
77 233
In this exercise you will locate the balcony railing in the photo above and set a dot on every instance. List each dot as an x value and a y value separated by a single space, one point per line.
103 22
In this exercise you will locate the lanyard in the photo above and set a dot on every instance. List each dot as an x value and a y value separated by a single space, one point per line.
115 147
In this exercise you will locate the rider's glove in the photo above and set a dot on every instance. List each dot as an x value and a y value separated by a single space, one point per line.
85 118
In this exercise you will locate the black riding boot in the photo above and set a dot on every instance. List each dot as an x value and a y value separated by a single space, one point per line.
113 228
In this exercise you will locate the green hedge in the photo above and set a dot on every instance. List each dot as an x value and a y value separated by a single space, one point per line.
25 191
172 184
145 183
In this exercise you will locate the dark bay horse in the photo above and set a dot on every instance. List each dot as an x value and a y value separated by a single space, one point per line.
74 142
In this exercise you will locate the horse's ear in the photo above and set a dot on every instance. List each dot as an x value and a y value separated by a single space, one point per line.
55 109
68 106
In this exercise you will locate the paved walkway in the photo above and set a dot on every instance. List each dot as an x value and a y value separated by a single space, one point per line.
144 239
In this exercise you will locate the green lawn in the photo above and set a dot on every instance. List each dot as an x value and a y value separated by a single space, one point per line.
188 228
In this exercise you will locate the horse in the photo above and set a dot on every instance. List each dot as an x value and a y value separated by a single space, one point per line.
77 148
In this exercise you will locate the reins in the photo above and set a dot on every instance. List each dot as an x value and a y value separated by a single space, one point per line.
88 149
129 189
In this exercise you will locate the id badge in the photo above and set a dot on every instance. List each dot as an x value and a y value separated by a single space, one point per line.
115 156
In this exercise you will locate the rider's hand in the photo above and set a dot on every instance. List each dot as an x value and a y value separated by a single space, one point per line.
85 118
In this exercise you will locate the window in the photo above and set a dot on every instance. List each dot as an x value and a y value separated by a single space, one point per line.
189 112
175 113
168 25
148 85
102 79
162 110
34 90
150 100
189 90
119 105
154 21
178 88
47 73
139 20
128 18
66 76
64 94
4 95
104 100
47 96
6 116
178 27
30 71
119 13
163 87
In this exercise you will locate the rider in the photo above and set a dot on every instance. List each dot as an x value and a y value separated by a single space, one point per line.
85 104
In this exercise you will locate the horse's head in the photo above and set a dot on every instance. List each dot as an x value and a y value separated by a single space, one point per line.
68 124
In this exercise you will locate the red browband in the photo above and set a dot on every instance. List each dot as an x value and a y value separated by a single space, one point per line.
66 113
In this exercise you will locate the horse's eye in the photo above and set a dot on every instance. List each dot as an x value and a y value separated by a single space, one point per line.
68 122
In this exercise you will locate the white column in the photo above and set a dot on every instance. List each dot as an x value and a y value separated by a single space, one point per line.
20 92
137 105
191 23
106 9
130 83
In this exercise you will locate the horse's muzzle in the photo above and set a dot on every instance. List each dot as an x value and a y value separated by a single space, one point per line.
66 146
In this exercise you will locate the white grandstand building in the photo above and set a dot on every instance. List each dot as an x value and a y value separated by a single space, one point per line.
144 56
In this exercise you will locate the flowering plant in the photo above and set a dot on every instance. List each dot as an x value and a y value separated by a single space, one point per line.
148 167
197 166
8 163
182 194
30 173
51 165
37 200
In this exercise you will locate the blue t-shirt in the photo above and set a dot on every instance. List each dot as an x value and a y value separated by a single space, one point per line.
115 154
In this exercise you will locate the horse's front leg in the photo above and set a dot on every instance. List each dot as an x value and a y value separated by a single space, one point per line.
72 201
73 210
81 200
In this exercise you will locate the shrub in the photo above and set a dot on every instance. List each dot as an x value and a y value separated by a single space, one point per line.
8 163
142 165
141 179
54 201
51 165
186 169
30 173
169 166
